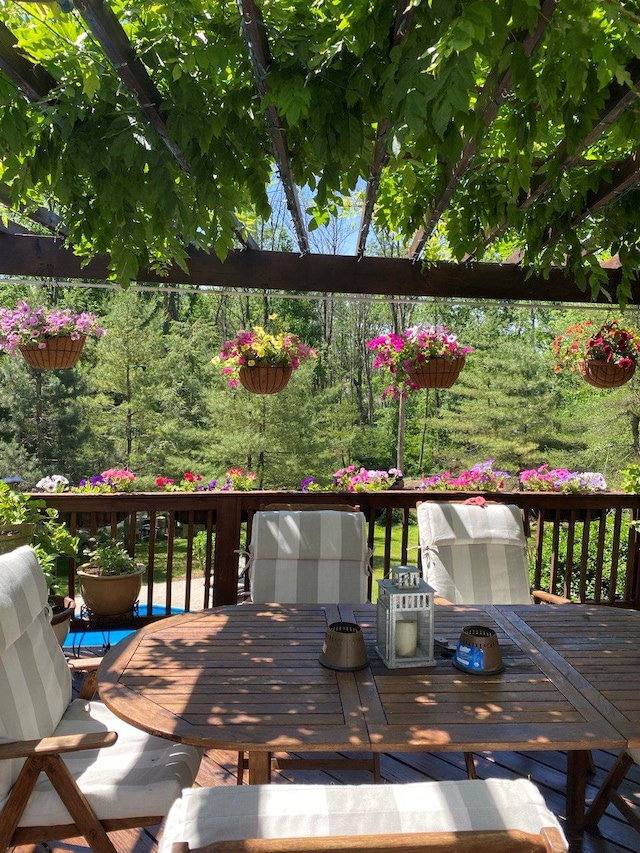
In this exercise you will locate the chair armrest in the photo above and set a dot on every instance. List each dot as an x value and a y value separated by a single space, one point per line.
54 745
468 841
89 686
548 597
83 664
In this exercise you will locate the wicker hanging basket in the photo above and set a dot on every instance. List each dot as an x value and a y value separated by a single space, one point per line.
437 372
265 380
603 374
59 353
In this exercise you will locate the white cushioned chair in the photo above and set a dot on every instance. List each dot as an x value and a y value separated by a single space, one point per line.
310 556
476 554
68 768
497 815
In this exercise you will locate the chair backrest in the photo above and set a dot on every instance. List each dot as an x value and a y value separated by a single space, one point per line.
35 681
308 556
474 554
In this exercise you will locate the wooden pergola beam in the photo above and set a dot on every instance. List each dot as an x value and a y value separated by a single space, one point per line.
403 23
42 216
623 178
47 257
488 105
33 80
108 31
621 98
260 53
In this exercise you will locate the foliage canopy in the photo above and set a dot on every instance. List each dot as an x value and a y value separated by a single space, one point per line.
84 148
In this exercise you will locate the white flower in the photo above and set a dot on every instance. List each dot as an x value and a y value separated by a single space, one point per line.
54 483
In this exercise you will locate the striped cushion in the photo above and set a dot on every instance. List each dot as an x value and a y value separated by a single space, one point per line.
487 564
140 775
466 524
206 815
23 593
35 682
298 557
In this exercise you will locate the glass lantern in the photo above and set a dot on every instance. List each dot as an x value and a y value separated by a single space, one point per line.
404 619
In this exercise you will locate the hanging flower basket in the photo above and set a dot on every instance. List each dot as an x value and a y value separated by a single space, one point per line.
260 360
265 380
48 338
425 356
58 353
605 357
605 374
437 372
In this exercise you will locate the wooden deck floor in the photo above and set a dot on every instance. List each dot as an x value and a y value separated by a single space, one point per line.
546 769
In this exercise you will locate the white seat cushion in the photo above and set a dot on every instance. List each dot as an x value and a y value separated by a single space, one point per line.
139 775
205 815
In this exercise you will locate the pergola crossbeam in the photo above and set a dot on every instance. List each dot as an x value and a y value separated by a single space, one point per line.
403 23
623 178
621 98
110 35
488 103
255 34
42 216
46 257
34 80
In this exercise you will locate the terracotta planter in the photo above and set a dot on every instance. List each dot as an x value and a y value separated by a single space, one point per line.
603 374
63 611
437 372
110 595
265 380
14 535
59 353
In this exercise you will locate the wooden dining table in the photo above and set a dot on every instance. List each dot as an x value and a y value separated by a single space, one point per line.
248 678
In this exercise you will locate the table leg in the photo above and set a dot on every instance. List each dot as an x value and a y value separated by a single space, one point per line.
577 766
259 768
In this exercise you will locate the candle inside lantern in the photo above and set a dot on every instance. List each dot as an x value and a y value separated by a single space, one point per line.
406 637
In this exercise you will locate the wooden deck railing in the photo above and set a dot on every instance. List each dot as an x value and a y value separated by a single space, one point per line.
582 546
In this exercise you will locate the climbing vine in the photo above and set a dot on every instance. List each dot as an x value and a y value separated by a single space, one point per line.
86 150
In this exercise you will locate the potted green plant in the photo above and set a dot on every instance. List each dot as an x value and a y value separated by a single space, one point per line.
26 520
110 579
605 356
18 515
260 360
425 356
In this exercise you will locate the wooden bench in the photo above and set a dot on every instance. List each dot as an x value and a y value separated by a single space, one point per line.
470 816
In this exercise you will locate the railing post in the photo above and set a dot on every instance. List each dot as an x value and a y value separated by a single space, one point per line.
225 561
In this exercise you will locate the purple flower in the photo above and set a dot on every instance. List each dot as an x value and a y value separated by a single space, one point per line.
26 325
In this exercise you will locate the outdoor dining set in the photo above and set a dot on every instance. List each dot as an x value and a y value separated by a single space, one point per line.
455 658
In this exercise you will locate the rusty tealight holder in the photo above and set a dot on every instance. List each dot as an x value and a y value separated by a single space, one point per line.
344 647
